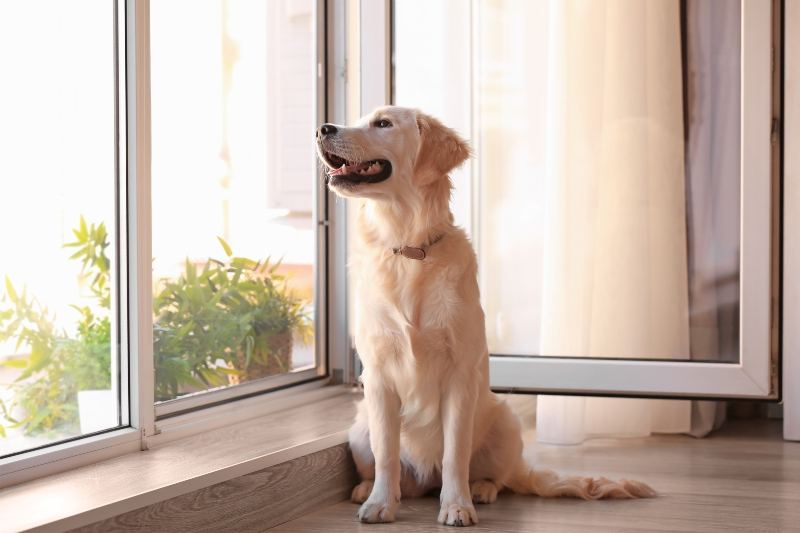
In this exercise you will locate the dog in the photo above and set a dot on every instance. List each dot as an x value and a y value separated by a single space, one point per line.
428 419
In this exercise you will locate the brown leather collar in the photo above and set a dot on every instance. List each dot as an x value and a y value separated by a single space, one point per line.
412 252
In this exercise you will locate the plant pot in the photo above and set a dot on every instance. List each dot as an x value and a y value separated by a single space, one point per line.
97 410
272 354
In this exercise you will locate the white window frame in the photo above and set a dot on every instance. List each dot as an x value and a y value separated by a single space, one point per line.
215 409
132 161
755 374
791 222
191 402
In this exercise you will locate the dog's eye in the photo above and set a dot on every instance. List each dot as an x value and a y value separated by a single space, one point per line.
383 123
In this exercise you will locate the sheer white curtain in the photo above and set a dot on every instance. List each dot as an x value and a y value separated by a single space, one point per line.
615 280
713 41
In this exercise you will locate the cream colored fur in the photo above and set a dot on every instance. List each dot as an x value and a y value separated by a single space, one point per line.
428 419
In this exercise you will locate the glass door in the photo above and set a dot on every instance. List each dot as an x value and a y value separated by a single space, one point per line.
622 194
62 362
235 200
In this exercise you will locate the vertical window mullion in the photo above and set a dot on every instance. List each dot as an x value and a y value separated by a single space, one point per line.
119 300
335 67
140 324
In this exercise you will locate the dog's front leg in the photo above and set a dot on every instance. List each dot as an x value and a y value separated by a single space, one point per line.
458 416
383 408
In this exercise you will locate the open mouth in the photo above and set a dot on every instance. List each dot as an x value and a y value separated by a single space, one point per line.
350 173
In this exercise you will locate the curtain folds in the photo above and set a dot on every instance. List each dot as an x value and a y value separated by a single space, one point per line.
615 278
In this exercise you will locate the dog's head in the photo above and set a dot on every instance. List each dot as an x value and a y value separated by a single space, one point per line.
388 152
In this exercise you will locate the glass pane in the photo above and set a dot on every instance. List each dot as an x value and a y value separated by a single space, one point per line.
234 238
607 167
58 371
431 58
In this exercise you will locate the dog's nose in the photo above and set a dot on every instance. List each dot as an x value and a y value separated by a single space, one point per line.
326 129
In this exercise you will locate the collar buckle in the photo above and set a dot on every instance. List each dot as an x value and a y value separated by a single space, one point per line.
410 252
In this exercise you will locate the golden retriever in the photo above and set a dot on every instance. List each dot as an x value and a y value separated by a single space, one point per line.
428 419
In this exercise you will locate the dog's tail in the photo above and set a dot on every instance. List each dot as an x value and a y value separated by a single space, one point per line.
548 484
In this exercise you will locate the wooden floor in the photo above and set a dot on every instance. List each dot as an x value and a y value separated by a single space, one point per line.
743 478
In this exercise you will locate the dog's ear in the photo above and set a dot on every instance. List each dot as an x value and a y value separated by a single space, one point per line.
441 150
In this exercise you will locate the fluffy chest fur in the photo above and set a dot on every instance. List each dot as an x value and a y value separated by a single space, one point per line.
405 340
410 316
406 307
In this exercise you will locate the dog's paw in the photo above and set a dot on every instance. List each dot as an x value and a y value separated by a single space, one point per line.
483 491
361 491
453 514
373 511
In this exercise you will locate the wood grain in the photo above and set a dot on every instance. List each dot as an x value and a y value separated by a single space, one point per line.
743 478
116 486
253 502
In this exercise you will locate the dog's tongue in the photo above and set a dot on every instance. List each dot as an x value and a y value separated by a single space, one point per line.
344 169
347 169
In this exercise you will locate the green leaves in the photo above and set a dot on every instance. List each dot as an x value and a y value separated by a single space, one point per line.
14 363
58 365
225 246
209 321
91 242
10 291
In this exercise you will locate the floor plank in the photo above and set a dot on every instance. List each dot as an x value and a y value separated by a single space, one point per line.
744 478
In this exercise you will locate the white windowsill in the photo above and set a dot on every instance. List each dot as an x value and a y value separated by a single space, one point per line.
91 493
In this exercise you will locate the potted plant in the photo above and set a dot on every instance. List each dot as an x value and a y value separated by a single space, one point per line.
59 367
225 322
276 316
